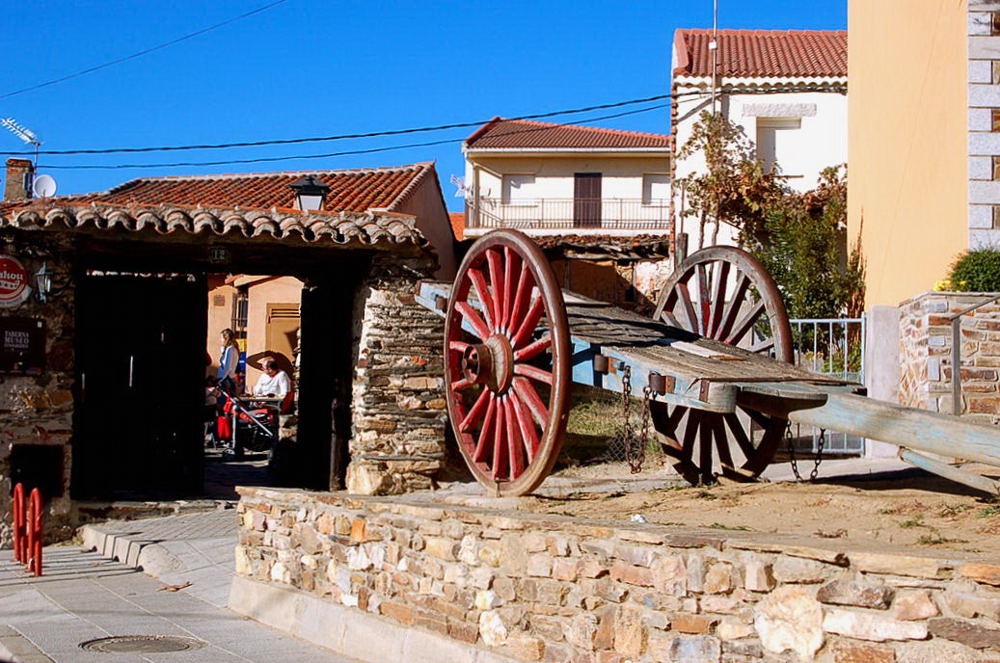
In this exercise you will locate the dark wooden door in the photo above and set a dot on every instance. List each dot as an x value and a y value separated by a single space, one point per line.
587 200
141 362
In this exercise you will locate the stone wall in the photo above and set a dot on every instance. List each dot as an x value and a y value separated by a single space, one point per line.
398 397
925 354
508 585
38 410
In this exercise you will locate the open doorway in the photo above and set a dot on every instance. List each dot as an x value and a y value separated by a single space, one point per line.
147 342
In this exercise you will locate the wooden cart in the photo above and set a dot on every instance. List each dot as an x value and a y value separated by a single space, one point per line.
713 365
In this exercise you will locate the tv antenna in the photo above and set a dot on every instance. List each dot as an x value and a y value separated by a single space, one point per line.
27 135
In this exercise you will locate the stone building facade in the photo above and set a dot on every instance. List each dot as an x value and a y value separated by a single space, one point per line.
925 342
391 440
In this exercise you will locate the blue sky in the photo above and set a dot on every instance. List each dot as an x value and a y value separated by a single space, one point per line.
325 68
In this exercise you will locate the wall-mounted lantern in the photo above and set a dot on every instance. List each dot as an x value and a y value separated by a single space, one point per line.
49 284
310 193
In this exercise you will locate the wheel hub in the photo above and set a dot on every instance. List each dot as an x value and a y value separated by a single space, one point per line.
490 363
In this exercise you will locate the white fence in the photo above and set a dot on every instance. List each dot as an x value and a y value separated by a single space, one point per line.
833 347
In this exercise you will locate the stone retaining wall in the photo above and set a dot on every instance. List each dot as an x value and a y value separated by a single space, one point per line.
551 588
925 354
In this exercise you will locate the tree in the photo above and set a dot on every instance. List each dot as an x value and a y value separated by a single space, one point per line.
803 245
734 187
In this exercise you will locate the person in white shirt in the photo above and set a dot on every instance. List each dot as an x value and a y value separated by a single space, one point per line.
273 381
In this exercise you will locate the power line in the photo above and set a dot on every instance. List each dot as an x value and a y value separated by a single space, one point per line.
344 153
398 132
147 51
317 139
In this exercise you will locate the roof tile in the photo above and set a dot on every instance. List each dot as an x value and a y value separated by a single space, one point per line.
763 53
525 134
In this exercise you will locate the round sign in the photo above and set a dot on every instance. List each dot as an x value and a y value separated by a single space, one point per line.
14 287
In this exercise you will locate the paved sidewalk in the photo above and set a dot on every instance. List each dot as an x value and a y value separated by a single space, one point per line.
84 596
193 547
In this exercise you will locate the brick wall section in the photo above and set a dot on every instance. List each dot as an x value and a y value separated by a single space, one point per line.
38 410
925 354
398 402
550 588
984 123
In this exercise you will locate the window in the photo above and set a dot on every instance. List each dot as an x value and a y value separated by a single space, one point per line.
518 190
655 189
776 143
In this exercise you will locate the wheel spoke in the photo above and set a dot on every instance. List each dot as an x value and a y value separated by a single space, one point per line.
534 349
740 435
705 444
719 298
687 308
496 281
479 327
704 299
524 285
722 442
671 423
528 434
746 323
529 323
477 411
486 433
458 346
508 286
530 397
766 344
515 449
529 371
499 444
460 384
483 292
733 309
690 433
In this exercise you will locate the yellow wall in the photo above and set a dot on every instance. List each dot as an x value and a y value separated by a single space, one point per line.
274 290
907 150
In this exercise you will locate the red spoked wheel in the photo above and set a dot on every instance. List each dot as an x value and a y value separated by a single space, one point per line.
507 363
726 294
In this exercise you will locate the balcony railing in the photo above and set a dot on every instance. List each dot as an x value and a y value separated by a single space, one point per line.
570 213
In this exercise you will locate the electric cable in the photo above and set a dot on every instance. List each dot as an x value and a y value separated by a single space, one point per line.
317 139
372 150
147 51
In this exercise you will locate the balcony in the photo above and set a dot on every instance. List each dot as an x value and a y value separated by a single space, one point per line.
579 215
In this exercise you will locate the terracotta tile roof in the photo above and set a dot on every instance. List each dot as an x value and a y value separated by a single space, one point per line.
351 190
499 133
763 53
457 224
365 228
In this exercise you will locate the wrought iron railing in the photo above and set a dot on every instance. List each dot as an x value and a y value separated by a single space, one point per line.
570 213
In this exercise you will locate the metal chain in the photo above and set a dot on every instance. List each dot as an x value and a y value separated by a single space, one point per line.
791 453
627 435
635 463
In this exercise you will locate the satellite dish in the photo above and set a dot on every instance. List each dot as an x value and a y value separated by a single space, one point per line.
43 186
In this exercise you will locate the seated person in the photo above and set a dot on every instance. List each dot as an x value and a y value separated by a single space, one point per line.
273 381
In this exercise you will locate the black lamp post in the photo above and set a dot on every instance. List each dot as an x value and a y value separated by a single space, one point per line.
310 193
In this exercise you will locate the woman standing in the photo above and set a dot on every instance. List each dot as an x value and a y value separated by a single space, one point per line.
229 358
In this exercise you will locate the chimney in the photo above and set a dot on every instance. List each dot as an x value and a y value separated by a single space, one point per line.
20 174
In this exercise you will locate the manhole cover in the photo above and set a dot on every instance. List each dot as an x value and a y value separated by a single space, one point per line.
141 644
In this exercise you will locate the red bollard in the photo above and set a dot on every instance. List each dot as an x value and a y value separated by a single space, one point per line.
20 545
34 527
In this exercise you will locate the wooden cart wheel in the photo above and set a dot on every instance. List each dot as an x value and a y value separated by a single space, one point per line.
723 293
507 362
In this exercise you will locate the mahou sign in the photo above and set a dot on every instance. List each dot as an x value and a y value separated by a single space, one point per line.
14 287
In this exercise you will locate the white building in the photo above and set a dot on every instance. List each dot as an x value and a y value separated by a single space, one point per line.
596 200
547 178
786 89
